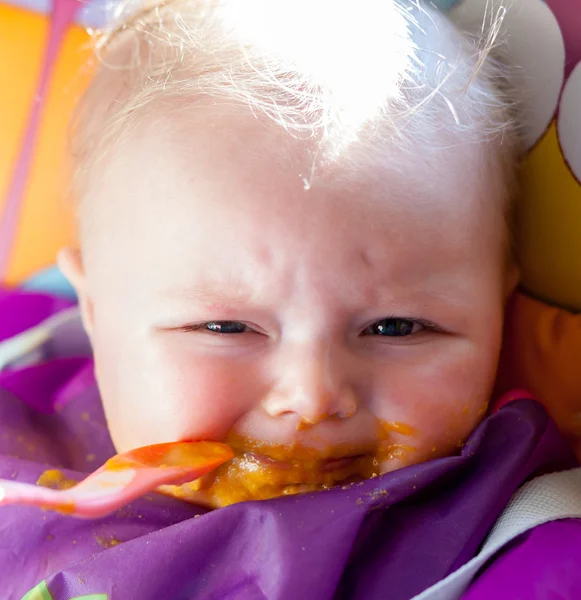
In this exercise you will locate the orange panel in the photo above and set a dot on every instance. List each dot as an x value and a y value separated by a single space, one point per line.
45 220
22 40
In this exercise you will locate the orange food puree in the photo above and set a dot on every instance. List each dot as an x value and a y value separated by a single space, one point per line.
55 480
261 470
393 426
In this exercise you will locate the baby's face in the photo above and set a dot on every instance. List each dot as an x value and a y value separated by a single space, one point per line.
357 321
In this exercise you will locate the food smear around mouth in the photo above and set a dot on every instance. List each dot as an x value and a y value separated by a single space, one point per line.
251 477
262 470
389 427
394 451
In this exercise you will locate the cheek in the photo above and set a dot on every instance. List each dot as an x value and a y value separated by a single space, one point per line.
159 392
438 402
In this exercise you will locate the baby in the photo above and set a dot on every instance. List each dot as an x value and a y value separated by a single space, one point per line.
293 236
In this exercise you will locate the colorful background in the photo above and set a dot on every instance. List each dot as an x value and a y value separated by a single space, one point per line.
44 50
44 53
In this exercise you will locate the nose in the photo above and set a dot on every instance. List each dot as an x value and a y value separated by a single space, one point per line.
312 385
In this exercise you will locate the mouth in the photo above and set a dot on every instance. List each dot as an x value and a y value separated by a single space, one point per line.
261 469
321 465
255 476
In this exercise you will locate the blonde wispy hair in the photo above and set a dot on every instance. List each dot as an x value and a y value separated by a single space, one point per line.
356 77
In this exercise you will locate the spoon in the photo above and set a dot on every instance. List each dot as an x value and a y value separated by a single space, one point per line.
122 478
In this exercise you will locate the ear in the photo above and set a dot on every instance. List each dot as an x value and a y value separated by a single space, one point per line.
71 264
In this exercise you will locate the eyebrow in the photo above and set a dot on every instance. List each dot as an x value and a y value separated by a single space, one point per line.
214 292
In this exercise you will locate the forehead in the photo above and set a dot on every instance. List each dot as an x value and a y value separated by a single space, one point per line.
175 171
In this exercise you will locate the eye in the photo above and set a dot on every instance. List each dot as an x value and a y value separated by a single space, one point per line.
225 327
394 327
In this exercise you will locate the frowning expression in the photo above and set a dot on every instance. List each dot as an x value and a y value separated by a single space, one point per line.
358 319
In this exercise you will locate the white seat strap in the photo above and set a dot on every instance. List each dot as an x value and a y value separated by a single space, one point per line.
547 498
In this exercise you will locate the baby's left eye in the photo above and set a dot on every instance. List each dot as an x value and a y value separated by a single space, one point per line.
226 327
394 327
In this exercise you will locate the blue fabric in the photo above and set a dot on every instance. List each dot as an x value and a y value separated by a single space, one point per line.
50 281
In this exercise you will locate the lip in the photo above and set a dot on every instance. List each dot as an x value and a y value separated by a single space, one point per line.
333 464
323 465
306 449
